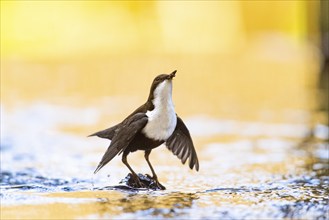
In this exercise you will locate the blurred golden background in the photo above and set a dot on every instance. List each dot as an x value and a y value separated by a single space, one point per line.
234 58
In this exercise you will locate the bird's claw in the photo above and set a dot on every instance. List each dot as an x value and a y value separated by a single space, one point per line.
137 182
154 181
143 181
159 185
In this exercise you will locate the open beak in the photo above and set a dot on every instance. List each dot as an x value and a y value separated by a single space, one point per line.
172 75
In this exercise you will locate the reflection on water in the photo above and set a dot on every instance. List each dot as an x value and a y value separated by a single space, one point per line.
152 204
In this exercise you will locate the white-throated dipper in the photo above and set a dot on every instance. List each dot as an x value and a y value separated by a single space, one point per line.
149 126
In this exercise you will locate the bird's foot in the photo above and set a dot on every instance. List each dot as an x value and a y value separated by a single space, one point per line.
133 181
159 185
154 183
142 181
137 182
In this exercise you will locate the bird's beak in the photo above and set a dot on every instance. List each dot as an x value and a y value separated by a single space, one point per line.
172 75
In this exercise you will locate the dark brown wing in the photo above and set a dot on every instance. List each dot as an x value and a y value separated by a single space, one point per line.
181 144
107 133
124 134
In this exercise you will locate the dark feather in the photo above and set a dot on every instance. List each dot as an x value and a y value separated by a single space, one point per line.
107 133
122 137
181 144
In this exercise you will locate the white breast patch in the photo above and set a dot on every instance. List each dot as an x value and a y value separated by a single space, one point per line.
162 119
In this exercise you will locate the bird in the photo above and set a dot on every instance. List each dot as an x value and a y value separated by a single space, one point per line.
152 124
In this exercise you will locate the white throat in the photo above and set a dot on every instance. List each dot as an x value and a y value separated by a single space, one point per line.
162 119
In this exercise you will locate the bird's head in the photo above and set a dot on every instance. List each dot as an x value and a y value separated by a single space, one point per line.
162 86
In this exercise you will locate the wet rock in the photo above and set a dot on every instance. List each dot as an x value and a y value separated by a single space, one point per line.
146 180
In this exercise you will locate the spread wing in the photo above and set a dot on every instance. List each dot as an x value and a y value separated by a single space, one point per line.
122 137
110 132
181 144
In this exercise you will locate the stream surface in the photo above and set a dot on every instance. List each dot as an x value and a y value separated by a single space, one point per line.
248 170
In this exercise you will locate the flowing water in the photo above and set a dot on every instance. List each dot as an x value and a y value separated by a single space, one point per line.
264 164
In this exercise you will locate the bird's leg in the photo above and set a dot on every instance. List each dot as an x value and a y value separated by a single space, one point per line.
134 175
146 155
155 177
